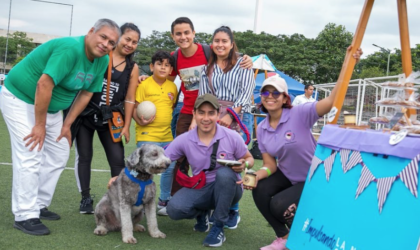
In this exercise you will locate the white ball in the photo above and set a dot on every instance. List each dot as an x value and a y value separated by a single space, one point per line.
147 109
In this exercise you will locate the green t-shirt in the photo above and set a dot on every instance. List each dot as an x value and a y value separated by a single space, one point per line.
65 61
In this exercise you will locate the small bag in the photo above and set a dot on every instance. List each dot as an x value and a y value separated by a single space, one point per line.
224 105
197 181
116 123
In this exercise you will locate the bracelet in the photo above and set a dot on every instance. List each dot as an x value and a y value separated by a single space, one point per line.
129 102
246 164
268 171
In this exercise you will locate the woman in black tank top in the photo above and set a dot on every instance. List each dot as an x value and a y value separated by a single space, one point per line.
123 84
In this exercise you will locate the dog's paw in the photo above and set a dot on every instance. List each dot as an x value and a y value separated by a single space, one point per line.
139 228
158 234
100 230
129 240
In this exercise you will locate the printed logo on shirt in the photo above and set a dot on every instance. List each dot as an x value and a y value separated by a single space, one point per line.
83 78
222 155
191 77
171 96
114 87
289 136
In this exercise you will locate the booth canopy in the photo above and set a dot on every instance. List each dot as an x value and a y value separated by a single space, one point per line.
262 62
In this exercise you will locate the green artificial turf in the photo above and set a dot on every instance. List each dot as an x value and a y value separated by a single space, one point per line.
75 230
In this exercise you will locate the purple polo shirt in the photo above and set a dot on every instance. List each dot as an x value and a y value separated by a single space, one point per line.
291 142
231 147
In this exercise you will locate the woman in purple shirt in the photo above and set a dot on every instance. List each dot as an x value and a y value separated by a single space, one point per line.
287 146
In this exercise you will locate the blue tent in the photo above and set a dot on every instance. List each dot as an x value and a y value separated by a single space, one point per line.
295 88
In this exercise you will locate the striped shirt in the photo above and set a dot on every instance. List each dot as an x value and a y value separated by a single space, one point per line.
235 86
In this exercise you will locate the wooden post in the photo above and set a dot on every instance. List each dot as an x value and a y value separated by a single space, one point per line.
349 61
405 44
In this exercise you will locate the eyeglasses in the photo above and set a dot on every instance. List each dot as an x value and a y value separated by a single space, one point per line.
274 94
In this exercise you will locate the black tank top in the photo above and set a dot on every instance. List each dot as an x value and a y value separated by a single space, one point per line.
117 92
118 89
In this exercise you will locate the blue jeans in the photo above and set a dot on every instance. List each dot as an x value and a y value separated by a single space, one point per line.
166 177
219 195
248 120
175 115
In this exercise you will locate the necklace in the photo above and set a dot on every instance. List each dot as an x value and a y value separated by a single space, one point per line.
117 64
114 67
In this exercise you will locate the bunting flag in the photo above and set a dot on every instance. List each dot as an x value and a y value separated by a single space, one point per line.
315 163
355 159
365 179
384 185
328 165
344 154
410 174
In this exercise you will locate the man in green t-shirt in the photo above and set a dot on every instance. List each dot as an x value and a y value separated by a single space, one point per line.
35 92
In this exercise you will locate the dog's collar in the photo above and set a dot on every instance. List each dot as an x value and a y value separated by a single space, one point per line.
142 184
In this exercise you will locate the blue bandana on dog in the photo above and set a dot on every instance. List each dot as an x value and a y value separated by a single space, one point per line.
142 184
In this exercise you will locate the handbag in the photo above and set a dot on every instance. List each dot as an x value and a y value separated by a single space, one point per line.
255 150
197 181
116 122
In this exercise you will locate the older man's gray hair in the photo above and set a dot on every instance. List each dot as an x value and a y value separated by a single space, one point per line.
107 22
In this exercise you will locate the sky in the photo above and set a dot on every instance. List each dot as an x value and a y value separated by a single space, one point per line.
286 17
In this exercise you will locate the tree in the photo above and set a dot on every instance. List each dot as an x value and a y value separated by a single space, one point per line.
19 45
330 46
307 60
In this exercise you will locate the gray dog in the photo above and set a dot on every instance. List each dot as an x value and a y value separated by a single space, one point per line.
119 208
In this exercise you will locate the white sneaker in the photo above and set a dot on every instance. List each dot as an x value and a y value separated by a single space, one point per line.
162 212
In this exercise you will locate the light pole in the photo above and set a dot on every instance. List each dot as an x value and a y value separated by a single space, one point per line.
258 9
7 38
389 56
71 5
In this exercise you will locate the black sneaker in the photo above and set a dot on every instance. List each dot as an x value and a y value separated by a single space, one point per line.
32 226
202 224
44 214
86 205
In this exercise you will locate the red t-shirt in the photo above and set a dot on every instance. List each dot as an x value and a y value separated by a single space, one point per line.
189 70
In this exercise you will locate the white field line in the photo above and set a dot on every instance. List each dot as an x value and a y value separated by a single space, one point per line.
93 170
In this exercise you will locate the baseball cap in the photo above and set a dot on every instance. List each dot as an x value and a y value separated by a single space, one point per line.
206 98
277 82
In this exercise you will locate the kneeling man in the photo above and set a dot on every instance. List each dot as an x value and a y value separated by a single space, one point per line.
221 190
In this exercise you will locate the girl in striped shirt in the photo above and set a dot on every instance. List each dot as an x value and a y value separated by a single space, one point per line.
224 78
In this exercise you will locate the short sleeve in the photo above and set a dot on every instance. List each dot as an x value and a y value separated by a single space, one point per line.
174 150
140 93
308 114
240 147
